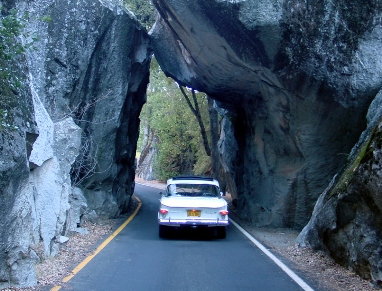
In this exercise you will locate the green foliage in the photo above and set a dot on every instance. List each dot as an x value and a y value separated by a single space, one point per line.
12 49
203 162
143 10
346 177
180 145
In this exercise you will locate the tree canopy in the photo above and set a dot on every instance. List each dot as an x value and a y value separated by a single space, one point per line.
143 10
167 113
11 27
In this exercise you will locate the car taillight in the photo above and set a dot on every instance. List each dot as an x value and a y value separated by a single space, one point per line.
163 211
223 212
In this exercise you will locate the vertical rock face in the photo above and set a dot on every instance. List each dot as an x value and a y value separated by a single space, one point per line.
77 125
295 78
92 65
16 216
50 185
347 220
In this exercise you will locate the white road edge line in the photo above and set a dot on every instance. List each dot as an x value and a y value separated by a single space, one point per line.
290 273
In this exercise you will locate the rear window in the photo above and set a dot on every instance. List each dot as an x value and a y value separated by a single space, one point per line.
193 190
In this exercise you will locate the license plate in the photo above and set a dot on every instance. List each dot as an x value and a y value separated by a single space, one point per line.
194 213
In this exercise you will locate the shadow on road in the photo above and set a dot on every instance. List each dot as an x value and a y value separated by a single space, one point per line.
195 234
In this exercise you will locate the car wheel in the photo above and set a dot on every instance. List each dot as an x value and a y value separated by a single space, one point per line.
163 231
221 232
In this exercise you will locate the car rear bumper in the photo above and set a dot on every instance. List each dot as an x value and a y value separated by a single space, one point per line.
199 222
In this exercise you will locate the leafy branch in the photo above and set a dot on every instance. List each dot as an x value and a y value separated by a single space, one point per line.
196 111
12 27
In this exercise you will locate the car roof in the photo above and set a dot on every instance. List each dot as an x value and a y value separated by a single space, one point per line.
192 180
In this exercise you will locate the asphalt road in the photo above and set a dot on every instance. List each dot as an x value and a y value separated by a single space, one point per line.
137 259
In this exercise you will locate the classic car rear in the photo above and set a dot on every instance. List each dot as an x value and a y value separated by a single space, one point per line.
192 201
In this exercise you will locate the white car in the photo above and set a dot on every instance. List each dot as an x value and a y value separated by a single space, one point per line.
192 201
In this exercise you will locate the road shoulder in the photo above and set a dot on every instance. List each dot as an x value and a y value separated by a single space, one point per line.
316 267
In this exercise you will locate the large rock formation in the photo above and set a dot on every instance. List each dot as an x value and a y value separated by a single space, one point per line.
75 120
295 78
347 219
92 64
17 258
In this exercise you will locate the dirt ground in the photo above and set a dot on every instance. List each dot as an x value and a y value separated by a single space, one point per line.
317 269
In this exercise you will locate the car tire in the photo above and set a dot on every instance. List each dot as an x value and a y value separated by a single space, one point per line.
163 231
221 232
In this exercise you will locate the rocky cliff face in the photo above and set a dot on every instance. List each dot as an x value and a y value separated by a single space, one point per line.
347 220
77 117
94 69
295 78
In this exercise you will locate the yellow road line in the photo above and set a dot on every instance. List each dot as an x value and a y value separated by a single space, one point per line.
103 245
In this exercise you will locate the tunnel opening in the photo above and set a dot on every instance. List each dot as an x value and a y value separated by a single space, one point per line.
274 136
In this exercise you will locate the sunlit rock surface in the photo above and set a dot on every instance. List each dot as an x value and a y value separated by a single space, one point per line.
76 115
92 64
296 77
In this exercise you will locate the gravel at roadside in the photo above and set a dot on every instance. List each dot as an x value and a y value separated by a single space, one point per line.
316 266
51 271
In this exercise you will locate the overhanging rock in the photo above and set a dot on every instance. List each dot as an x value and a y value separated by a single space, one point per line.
296 78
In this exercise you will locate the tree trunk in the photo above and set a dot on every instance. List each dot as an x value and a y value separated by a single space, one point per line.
214 131
148 141
195 110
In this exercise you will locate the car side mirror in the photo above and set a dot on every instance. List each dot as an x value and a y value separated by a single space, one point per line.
222 194
161 193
